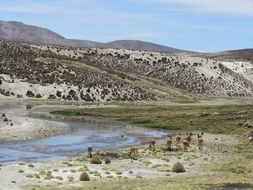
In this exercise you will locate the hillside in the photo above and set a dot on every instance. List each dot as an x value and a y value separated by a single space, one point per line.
239 55
104 74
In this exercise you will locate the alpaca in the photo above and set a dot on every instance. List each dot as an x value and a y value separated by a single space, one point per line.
169 142
133 152
152 144
189 137
186 144
187 140
178 138
89 149
200 140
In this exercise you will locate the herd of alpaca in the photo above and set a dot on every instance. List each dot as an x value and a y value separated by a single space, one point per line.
186 140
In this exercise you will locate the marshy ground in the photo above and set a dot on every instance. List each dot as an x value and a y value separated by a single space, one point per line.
226 162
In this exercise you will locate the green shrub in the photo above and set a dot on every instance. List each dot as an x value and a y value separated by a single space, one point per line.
48 177
107 160
37 176
178 168
84 177
59 178
96 160
31 166
29 176
102 153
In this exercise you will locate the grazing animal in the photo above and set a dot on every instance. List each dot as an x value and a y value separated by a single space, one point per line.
186 137
133 152
186 144
178 138
152 144
89 149
200 140
169 142
189 137
186 141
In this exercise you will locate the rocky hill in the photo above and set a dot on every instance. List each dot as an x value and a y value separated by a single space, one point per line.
104 74
20 32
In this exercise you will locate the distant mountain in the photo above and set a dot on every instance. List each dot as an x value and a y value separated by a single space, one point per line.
18 31
141 45
240 55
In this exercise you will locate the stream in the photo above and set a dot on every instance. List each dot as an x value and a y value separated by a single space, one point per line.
101 134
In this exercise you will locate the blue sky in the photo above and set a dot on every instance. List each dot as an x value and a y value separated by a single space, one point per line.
201 25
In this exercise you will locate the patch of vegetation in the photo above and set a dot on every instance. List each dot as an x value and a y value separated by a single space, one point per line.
95 160
30 165
187 118
178 168
30 176
84 177
59 178
107 160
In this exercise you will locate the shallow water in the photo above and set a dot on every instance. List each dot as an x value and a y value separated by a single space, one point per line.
99 134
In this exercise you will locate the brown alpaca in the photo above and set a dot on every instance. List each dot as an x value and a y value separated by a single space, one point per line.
133 152
189 137
178 138
169 143
200 140
152 144
89 149
186 137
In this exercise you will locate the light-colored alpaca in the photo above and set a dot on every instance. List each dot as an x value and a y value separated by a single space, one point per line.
133 152
178 138
200 140
187 140
186 144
